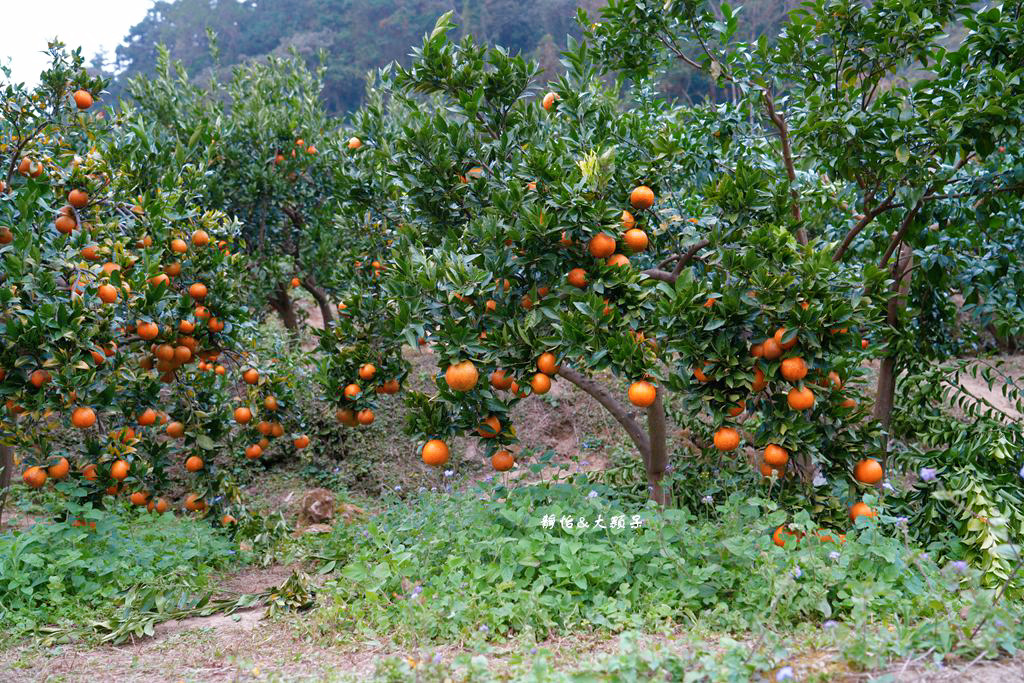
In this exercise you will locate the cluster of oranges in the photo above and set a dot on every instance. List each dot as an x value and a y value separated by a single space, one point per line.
603 246
350 416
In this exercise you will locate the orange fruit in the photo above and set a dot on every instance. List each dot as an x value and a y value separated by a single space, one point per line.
868 471
698 372
242 415
727 439
147 417
489 428
38 378
800 399
367 371
781 535
83 417
91 472
179 246
499 380
577 278
354 143
618 260
541 383
139 498
549 101
198 291
461 376
6 237
770 349
194 463
34 477
601 245
228 520
636 240
78 199
175 430
148 331
503 461
776 456
200 238
834 380
628 222
301 442
779 334
546 363
65 224
89 253
270 403
107 293
194 503
83 100
59 469
861 509
347 417
435 452
119 470
793 369
253 451
642 393
642 197
251 376
391 387
365 417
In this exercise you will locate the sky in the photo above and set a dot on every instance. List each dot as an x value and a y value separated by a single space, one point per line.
94 25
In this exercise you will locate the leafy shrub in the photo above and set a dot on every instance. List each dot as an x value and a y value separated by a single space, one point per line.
481 563
60 573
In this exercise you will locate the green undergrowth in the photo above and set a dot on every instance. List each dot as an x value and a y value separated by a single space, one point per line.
55 576
481 567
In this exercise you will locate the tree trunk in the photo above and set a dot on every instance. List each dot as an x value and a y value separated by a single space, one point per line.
6 469
326 312
658 461
282 304
886 388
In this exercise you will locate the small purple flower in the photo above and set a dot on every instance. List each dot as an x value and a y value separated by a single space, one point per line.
585 463
668 468
929 473
901 521
449 473
834 556
416 590
784 674
1021 473
797 572
887 486
959 566
437 658
483 628
398 488
829 624
533 650
592 494
708 500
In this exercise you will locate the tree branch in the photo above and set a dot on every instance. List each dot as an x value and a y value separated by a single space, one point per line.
617 410
787 158
861 224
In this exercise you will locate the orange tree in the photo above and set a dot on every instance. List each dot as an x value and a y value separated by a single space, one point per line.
270 152
122 305
686 249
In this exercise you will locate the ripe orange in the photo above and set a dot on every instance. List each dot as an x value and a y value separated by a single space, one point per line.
800 399
194 503
65 224
641 197
391 387
503 461
270 403
577 278
489 428
200 238
119 470
354 143
265 428
179 246
861 509
565 241
698 372
767 471
295 282
636 240
347 417
83 417
367 371
499 380
194 463
737 409
546 363
301 442
601 245
628 221
161 506
868 471
435 452
779 334
89 253
148 330
251 376
107 293
197 291
727 439
549 101
834 380
139 498
253 451
90 472
175 430
78 199
864 343
83 100
782 534
618 260
793 369
642 393
849 403
461 376
59 469
541 383
776 456
182 354
38 378
147 417
242 415
228 520
770 349
34 477
365 417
